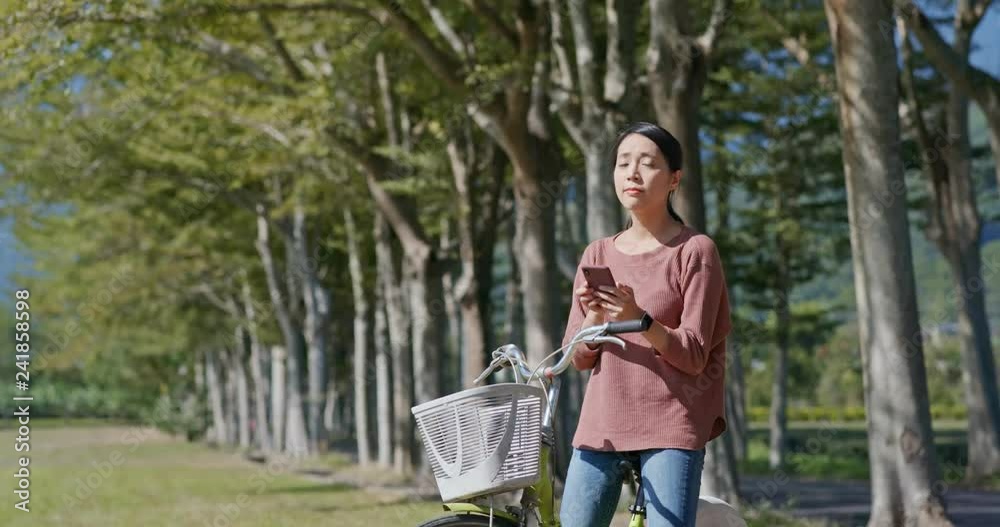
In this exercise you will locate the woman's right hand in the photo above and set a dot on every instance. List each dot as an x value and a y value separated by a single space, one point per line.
591 302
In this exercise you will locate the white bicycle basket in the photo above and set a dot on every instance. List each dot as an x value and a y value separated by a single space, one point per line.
483 440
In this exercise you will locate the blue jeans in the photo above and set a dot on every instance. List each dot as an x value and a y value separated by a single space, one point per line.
671 480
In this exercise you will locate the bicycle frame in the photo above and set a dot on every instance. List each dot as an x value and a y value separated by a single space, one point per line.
540 497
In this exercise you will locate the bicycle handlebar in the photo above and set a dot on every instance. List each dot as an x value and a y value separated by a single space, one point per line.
591 335
628 326
506 355
511 355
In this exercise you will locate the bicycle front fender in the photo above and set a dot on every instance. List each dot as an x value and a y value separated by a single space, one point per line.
472 508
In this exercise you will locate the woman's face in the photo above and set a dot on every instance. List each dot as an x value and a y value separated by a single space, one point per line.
642 178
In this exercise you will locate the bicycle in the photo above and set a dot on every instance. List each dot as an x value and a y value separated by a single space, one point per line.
492 439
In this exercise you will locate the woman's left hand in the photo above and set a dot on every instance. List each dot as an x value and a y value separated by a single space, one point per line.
619 302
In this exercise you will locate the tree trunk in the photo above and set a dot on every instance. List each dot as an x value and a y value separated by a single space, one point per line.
360 340
534 249
453 360
279 399
473 338
333 419
229 397
422 270
296 434
451 371
680 116
677 70
213 380
901 447
736 383
593 121
316 372
514 315
423 276
262 429
736 413
201 393
383 379
294 418
398 322
475 249
594 134
779 398
427 316
779 388
979 378
537 189
955 227
316 329
567 419
604 217
242 388
344 409
718 478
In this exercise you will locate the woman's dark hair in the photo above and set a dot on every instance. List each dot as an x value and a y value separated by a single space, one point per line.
669 146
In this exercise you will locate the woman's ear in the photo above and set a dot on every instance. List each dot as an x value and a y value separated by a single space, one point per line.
675 179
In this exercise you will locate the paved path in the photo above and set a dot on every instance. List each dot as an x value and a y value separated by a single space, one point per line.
849 502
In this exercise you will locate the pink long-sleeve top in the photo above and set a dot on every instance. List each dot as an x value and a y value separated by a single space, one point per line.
640 398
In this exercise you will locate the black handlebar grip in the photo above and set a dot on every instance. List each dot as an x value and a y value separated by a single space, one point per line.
629 326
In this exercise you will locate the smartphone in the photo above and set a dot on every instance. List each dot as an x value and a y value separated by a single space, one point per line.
597 276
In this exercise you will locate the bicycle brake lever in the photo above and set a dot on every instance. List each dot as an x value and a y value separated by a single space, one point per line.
499 362
606 339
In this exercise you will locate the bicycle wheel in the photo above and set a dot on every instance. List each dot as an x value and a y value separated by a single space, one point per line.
467 520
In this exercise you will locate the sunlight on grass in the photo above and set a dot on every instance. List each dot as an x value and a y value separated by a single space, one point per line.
769 517
121 476
118 476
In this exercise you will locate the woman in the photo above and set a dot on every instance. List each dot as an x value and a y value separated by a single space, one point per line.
659 400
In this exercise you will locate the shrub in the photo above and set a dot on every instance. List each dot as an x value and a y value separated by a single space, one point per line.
812 414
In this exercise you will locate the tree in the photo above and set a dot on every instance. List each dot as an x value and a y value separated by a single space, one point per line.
953 61
795 215
955 227
384 393
397 322
901 447
678 61
589 113
189 164
478 169
361 340
511 110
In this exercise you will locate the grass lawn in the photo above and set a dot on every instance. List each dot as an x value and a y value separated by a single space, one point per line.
110 475
128 476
